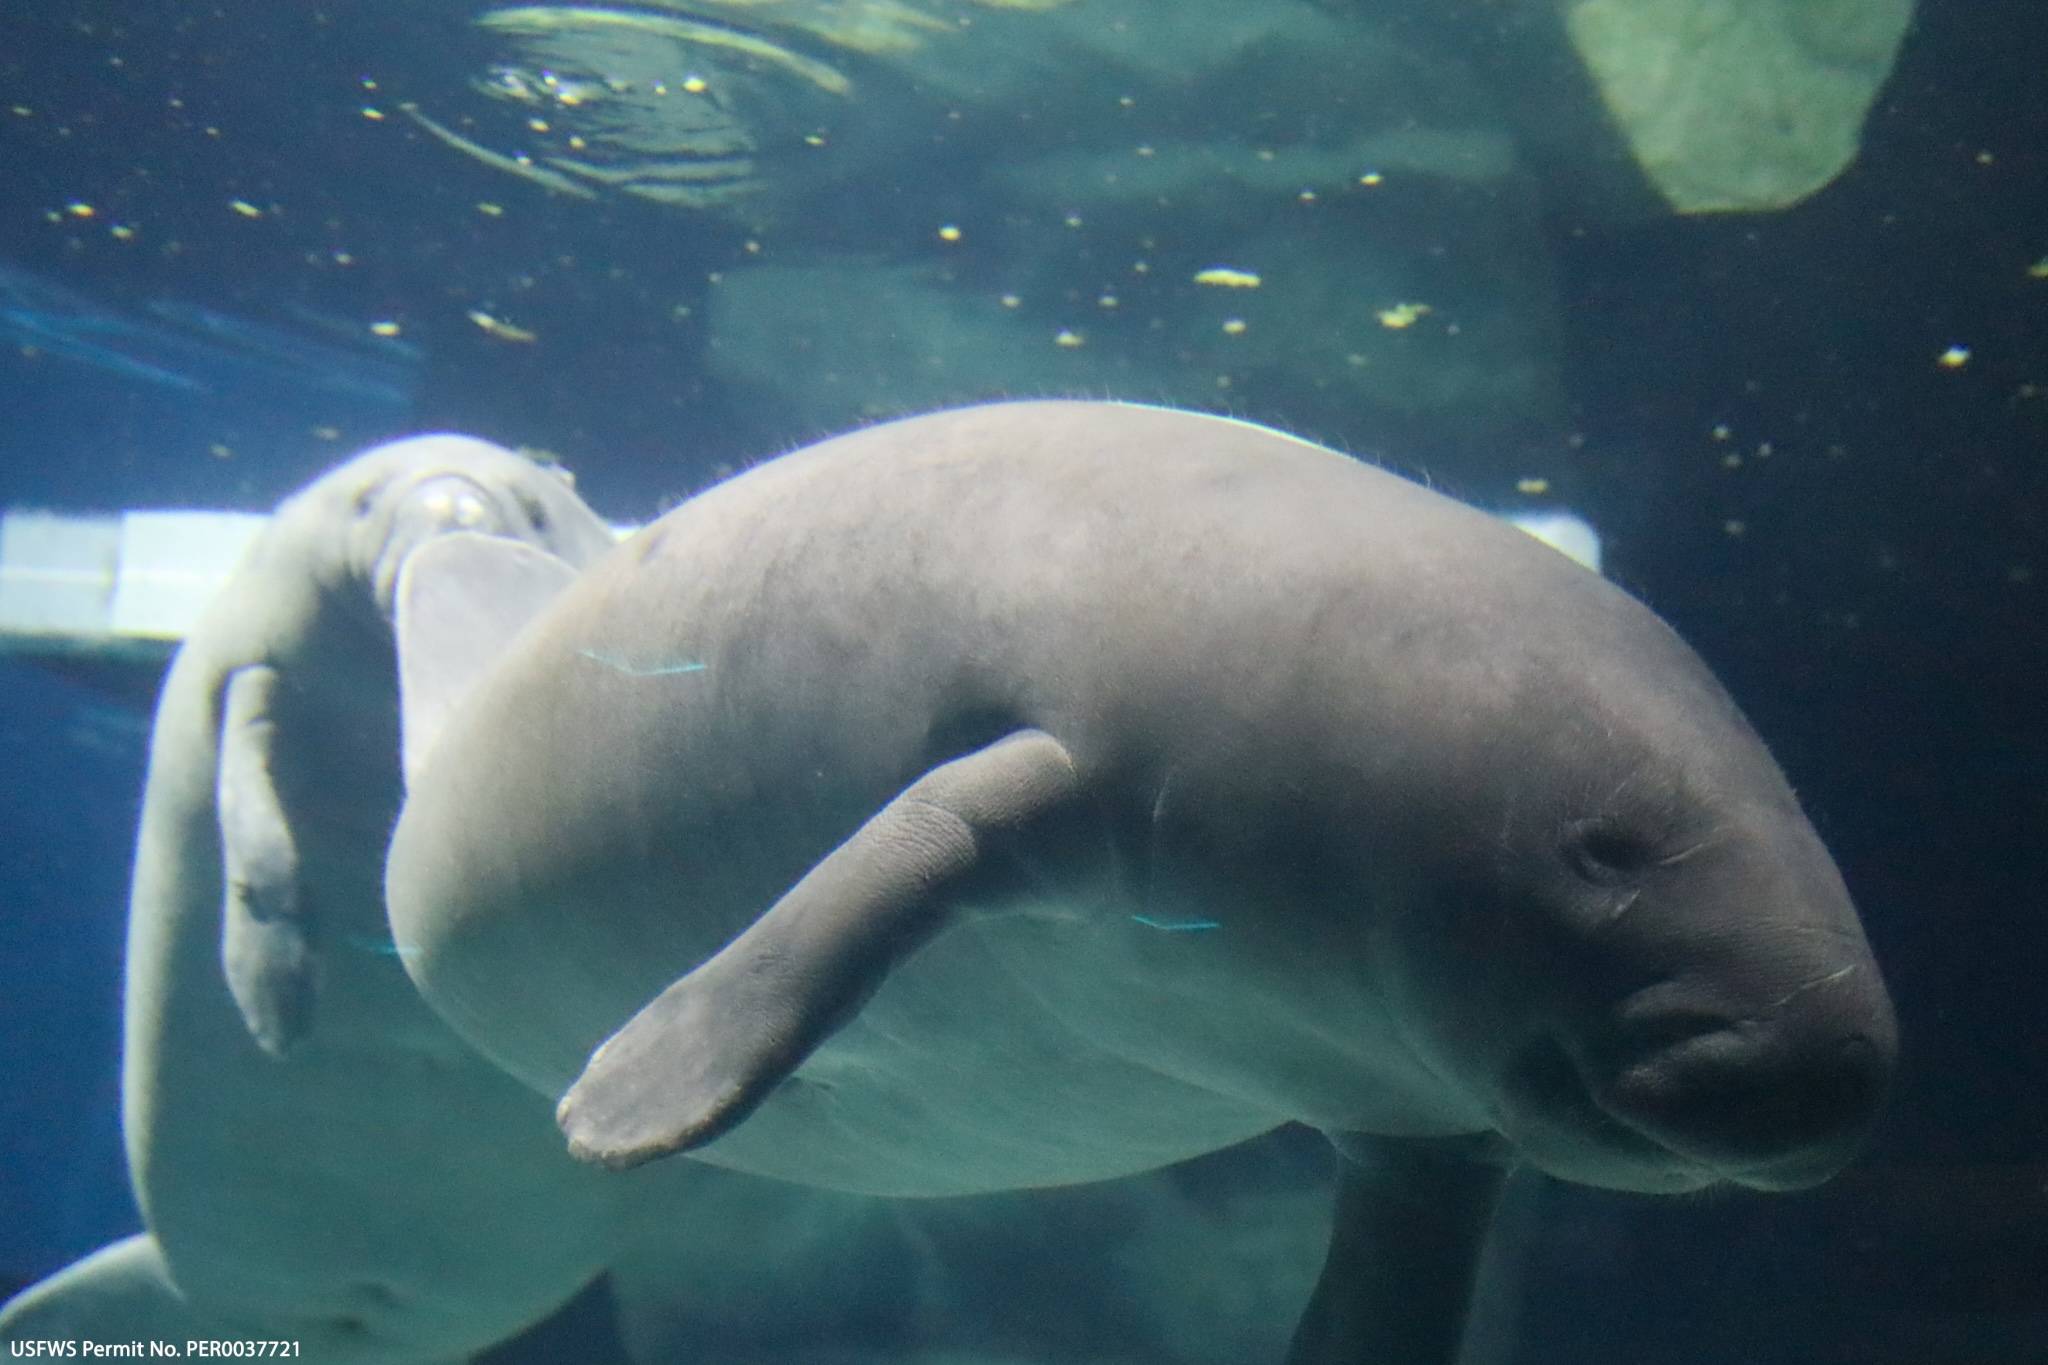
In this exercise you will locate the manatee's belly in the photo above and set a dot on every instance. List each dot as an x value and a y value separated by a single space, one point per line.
1126 1017
963 1075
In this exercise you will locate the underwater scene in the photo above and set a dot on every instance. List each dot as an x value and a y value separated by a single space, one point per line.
982 682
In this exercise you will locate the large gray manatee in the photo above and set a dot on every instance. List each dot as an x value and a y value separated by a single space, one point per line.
302 1131
1041 792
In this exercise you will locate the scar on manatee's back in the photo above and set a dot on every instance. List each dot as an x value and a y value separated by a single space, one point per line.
381 947
1177 926
633 668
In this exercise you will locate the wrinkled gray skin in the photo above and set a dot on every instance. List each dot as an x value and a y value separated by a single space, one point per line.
303 1132
1043 792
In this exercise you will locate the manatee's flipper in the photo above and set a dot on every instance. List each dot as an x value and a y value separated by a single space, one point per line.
119 1293
1412 1215
266 946
461 598
698 1058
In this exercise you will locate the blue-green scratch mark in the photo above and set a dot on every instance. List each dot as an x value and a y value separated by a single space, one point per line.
386 947
633 670
1178 926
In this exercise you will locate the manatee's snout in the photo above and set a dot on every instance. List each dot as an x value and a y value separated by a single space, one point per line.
448 502
1781 1101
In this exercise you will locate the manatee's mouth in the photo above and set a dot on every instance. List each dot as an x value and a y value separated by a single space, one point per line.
1766 1106
1702 1104
1550 1113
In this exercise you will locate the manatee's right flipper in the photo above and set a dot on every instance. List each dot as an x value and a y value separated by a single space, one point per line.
266 942
119 1293
701 1055
1412 1217
461 598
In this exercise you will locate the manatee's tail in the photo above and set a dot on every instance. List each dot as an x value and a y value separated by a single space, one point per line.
119 1293
123 1293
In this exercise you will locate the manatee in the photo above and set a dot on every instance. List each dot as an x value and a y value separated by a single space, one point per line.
1041 792
302 1130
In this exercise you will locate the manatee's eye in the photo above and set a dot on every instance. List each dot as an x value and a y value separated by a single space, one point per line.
536 515
366 497
1605 851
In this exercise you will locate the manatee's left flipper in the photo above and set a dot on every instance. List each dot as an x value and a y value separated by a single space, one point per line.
266 942
1412 1217
698 1058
